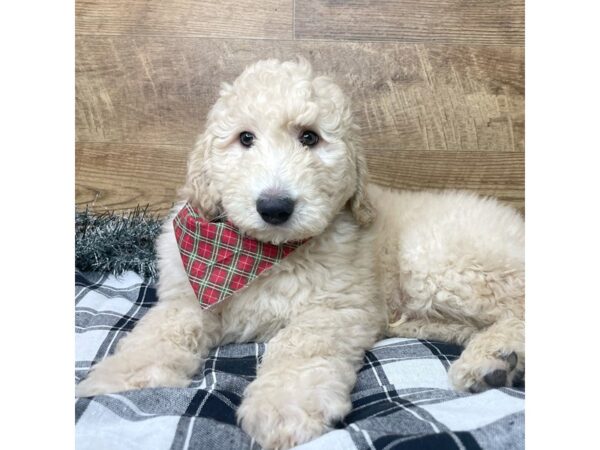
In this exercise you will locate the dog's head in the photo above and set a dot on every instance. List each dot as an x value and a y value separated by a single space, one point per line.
279 156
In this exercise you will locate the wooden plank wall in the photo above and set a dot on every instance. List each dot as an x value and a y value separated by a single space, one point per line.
437 86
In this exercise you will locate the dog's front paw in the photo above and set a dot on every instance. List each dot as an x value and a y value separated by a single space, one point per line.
278 418
115 375
96 384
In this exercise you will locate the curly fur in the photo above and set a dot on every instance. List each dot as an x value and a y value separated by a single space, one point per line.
379 263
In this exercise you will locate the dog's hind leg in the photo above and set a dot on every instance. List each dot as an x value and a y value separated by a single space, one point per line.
493 357
164 349
455 333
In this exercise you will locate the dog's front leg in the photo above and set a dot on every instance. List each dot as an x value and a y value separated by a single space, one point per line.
304 381
164 349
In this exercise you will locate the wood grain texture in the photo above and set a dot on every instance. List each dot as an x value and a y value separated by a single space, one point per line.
405 96
432 116
488 22
266 19
437 87
120 176
501 175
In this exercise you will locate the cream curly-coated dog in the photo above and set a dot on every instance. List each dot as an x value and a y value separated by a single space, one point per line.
447 266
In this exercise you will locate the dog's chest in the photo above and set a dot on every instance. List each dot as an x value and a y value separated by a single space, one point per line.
323 272
270 301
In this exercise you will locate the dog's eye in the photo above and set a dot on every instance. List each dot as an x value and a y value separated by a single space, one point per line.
309 138
246 138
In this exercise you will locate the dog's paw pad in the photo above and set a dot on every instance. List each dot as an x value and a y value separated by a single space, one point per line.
512 360
519 379
497 378
502 369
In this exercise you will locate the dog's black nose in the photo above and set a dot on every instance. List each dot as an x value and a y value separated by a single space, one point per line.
275 210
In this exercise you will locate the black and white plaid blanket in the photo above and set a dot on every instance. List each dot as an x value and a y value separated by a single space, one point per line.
402 399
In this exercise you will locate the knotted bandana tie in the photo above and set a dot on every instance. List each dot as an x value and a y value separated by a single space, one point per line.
220 261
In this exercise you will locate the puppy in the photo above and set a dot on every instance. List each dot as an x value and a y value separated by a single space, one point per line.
280 163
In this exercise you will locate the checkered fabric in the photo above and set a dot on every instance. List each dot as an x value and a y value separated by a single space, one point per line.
218 259
402 399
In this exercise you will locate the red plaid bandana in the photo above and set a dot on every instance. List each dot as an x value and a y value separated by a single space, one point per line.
218 259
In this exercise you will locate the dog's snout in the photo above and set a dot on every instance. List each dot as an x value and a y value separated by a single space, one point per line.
275 210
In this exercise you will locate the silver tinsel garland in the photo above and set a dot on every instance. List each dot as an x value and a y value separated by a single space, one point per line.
116 242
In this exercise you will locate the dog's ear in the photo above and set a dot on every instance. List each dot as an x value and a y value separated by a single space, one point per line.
360 204
199 190
340 118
